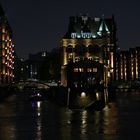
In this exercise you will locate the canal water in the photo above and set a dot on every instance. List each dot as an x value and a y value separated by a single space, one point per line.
22 119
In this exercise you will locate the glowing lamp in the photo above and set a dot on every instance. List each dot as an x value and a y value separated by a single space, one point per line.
83 95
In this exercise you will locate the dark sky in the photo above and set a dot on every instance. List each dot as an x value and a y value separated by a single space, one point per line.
39 25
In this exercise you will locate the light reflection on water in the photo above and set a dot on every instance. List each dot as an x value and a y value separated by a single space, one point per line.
39 128
21 119
83 122
39 122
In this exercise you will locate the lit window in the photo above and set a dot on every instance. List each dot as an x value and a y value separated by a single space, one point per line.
89 70
43 54
77 59
81 70
3 60
3 53
90 58
3 37
70 56
3 30
75 69
94 69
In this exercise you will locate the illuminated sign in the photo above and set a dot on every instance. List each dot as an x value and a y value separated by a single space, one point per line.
83 35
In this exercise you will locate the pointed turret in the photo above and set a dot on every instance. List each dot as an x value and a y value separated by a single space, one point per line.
103 27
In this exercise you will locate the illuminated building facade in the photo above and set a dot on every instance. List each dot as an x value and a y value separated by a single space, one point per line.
92 39
6 50
128 65
122 62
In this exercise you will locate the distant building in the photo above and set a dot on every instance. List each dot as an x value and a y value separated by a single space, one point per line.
42 66
128 65
91 39
20 73
6 50
34 65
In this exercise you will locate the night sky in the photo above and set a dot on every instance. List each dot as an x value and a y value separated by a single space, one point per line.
39 25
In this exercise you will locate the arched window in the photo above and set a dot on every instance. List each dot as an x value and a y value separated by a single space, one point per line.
80 49
90 49
94 49
95 52
69 49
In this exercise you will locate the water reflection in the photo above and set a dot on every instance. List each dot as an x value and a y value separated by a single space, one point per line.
83 124
21 119
39 124
7 125
39 129
110 115
37 106
109 123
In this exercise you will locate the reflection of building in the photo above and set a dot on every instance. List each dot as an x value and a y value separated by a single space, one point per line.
128 64
89 39
6 50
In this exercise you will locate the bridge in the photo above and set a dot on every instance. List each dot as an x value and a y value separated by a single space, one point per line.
126 86
32 84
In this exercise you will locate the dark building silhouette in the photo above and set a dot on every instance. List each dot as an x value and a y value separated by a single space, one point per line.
42 66
33 65
19 72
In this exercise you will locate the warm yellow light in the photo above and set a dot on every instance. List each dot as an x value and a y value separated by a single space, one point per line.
98 95
81 69
83 95
75 69
108 74
3 37
112 64
3 30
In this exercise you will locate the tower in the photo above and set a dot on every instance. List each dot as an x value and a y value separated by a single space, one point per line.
89 39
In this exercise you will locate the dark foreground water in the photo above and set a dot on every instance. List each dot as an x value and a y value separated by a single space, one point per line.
21 119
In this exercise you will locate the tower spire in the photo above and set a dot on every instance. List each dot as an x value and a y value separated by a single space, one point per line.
103 27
